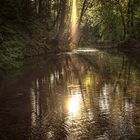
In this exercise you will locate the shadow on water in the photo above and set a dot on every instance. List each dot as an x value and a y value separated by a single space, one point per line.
72 97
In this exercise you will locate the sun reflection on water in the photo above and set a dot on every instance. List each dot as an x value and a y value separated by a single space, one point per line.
74 104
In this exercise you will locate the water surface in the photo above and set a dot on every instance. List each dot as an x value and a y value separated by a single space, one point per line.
93 96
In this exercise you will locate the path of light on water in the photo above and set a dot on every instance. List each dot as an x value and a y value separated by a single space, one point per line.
74 21
74 104
84 50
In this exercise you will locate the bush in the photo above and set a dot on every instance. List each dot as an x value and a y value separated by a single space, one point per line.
11 52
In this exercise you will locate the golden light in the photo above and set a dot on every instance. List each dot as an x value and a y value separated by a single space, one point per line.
74 21
87 81
74 104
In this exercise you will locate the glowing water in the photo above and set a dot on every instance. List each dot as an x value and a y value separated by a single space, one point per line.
74 104
74 21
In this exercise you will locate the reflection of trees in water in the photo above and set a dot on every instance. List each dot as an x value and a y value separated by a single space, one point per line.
114 98
109 105
105 85
47 122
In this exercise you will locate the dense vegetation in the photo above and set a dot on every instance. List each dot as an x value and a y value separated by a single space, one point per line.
113 20
32 27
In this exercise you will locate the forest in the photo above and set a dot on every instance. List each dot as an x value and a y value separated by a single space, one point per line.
36 27
69 69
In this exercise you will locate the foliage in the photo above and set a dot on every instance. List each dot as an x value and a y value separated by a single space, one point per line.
10 54
12 48
45 22
112 20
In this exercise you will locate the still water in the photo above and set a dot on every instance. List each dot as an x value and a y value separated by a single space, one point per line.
93 96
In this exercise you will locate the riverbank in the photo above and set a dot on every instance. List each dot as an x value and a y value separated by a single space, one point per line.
123 45
131 49
19 40
28 39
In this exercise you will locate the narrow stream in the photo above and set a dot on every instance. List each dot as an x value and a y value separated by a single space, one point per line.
88 96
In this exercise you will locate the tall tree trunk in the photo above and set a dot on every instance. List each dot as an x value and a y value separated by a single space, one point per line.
122 19
124 26
128 17
62 18
132 19
82 12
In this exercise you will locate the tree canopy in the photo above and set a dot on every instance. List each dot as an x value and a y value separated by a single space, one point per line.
49 22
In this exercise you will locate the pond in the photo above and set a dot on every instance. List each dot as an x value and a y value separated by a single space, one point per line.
83 95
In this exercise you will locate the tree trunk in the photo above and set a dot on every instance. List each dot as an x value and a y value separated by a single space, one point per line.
122 19
82 12
62 18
